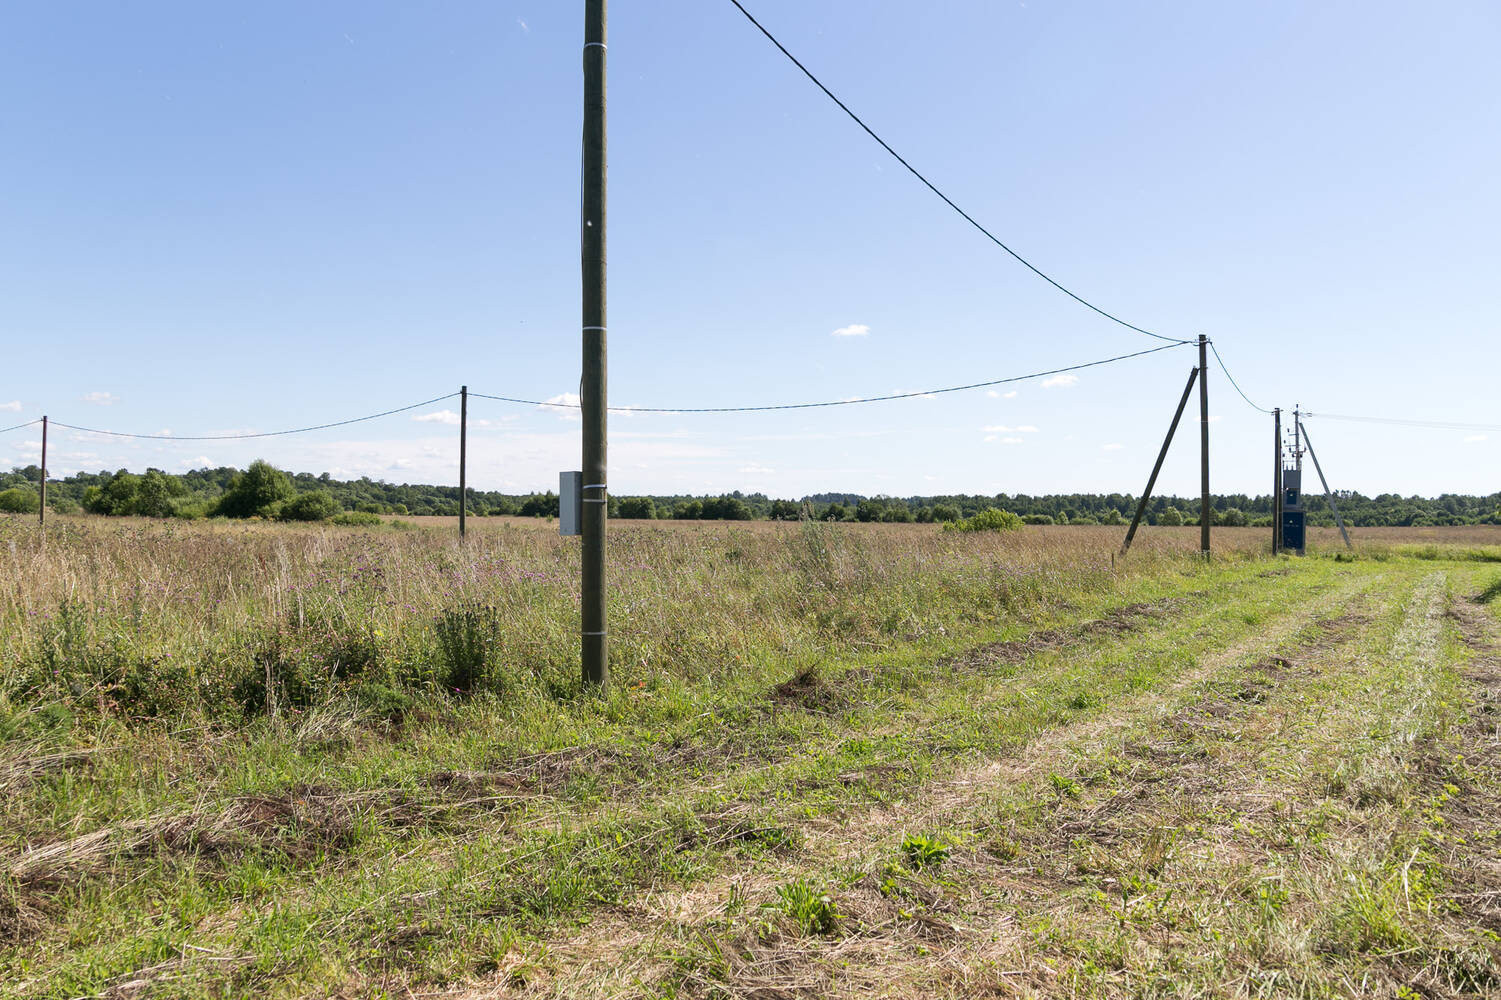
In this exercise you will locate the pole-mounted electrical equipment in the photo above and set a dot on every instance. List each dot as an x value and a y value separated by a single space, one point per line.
1294 516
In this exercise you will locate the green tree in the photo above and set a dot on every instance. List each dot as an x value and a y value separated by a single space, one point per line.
18 500
1233 517
316 505
259 491
1170 518
638 508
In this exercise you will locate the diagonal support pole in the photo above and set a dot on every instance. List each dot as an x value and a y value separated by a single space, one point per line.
1328 494
1146 495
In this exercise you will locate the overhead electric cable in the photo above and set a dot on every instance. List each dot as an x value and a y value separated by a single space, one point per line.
258 434
17 427
934 188
838 402
1234 383
1452 425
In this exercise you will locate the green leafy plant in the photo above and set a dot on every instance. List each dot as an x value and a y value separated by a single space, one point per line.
813 911
922 851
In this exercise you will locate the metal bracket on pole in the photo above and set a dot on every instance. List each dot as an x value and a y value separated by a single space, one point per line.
1152 479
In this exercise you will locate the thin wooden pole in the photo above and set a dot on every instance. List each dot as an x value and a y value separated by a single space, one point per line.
1206 512
1276 480
463 455
41 511
1152 479
593 395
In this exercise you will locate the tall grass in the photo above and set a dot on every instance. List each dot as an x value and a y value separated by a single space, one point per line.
144 619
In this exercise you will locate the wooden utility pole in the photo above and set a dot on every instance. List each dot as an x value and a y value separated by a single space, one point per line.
1172 428
41 511
1276 480
1206 512
593 394
463 455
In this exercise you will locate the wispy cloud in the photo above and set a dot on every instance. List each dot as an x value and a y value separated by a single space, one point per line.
1476 438
1003 429
524 26
101 398
1060 381
14 406
1000 395
1009 395
441 417
756 470
565 405
853 330
1012 440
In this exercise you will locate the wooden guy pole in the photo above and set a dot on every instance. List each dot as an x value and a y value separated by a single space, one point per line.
593 396
463 455
1328 493
1152 479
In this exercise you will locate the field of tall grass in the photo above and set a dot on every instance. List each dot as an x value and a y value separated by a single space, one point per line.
141 618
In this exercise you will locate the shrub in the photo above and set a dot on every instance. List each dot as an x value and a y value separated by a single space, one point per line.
638 508
468 641
990 519
19 501
1037 519
259 491
1170 518
318 505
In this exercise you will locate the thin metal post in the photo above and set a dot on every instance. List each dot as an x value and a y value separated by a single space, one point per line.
41 511
1152 479
463 455
1276 480
593 395
1328 493
1206 512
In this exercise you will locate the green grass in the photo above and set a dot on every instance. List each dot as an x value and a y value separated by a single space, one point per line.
1224 776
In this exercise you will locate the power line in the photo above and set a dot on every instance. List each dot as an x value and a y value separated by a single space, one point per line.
260 434
17 427
934 188
840 402
1438 424
1234 383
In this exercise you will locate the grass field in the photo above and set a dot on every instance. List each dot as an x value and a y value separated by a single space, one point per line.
835 760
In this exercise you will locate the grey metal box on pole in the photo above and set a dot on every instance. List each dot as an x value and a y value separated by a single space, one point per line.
570 494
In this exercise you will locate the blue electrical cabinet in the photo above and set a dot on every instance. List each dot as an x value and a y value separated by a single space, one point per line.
1294 515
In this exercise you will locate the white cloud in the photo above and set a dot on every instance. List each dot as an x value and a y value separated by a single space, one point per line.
1214 418
1011 440
1060 381
440 417
101 398
524 26
14 406
1115 447
1477 438
992 394
853 330
1009 395
756 470
1003 429
564 404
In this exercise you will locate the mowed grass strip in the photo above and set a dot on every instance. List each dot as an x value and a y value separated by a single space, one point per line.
1310 824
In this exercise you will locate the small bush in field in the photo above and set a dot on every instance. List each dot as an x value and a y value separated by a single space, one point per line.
468 640
356 518
990 519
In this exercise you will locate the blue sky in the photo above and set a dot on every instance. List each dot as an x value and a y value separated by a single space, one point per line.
283 214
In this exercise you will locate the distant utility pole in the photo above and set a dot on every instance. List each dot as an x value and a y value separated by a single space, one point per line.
41 511
593 390
1276 480
463 455
1206 512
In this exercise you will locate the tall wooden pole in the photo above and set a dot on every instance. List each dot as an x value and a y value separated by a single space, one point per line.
41 511
1276 480
593 394
1206 512
463 455
1172 428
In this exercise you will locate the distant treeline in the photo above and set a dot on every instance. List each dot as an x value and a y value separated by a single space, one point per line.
266 492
